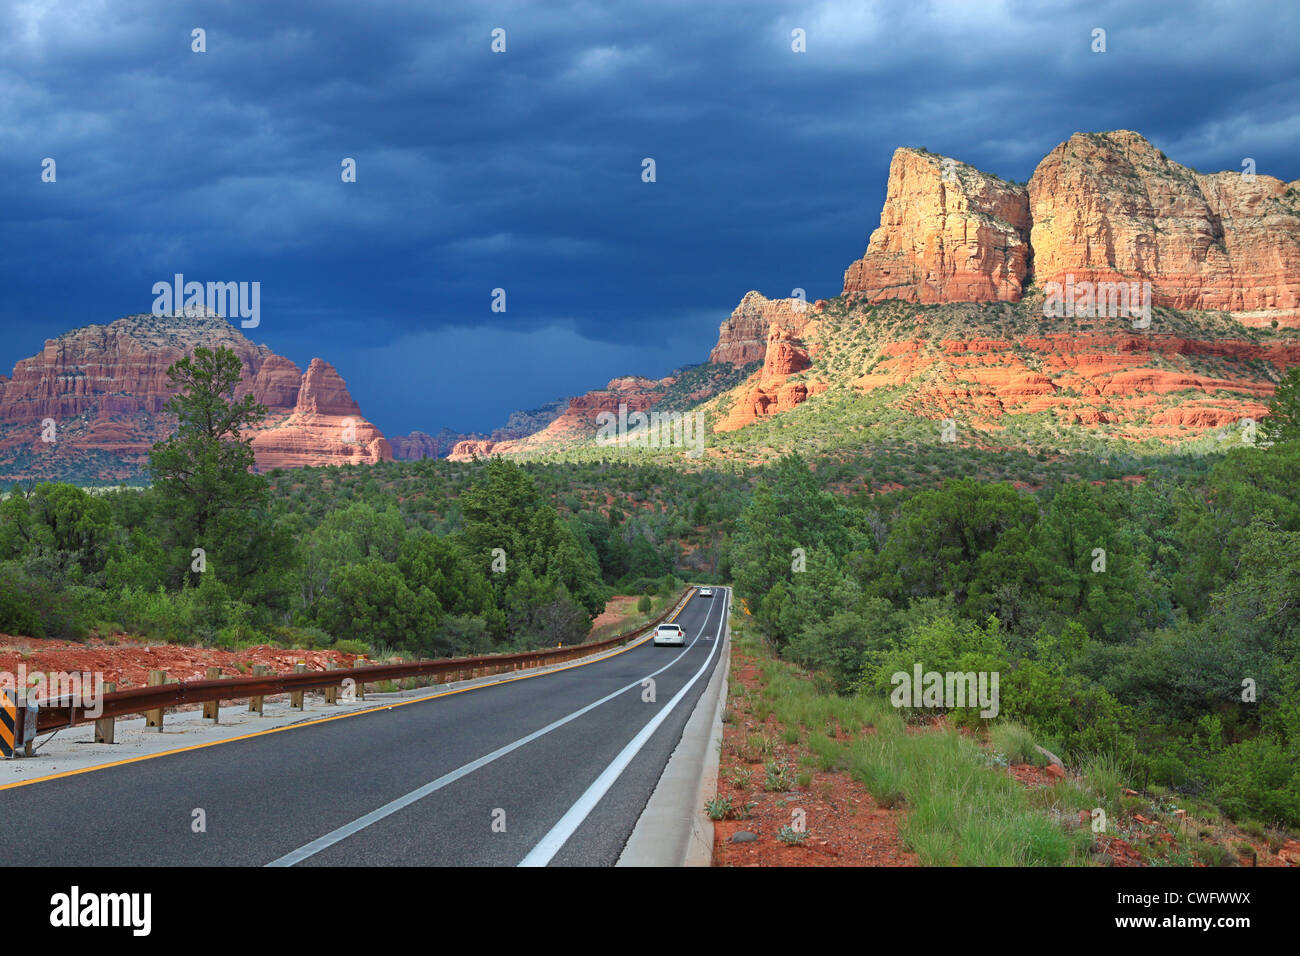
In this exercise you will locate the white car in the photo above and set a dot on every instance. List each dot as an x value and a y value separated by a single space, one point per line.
706 592
669 635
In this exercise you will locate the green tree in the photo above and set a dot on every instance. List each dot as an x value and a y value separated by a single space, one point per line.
207 490
1282 421
506 511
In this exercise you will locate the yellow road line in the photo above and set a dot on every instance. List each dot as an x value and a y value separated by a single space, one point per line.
324 720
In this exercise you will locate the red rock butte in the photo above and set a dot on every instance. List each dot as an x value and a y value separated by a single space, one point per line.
105 387
1101 207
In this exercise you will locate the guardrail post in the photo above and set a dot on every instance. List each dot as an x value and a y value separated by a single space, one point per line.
154 718
360 687
212 708
255 703
105 726
29 733
331 693
296 697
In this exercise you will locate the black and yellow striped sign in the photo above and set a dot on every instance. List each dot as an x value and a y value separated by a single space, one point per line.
8 723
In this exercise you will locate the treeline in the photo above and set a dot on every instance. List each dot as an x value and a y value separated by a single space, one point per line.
211 553
1157 624
512 573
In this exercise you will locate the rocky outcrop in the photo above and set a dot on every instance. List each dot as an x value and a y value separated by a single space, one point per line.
948 233
325 428
742 338
769 391
100 391
524 423
418 445
1101 207
120 368
578 422
1111 207
470 448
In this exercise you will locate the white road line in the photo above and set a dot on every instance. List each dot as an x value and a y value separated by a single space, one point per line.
374 816
559 834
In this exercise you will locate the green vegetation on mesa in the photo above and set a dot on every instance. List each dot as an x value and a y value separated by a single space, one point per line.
1153 626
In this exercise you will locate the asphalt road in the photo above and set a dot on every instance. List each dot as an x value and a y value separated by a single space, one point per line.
492 776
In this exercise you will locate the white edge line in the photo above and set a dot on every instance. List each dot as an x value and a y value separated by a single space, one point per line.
374 816
549 845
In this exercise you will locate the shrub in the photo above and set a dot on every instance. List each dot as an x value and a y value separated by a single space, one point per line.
1014 742
351 646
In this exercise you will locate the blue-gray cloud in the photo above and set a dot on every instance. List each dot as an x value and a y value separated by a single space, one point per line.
522 170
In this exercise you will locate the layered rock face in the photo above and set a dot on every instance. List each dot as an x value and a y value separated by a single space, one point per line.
948 233
1152 385
325 428
1110 206
781 325
1101 207
742 338
121 368
104 388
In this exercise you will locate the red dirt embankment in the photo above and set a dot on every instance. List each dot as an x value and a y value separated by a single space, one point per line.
128 662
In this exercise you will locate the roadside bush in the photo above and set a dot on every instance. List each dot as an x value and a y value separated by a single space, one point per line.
34 606
1258 778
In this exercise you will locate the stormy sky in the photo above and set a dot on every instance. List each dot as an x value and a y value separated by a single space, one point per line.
522 170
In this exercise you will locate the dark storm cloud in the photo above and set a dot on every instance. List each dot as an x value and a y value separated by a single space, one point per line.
522 170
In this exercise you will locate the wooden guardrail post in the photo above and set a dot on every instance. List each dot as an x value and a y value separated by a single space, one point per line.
29 748
154 718
104 726
331 693
255 703
296 696
212 708
360 687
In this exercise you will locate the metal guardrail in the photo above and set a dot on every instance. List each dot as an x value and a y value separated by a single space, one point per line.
59 713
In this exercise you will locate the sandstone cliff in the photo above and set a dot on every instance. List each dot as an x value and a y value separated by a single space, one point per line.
1110 206
779 326
1100 207
948 233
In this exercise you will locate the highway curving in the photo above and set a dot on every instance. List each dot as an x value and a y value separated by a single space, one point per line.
550 769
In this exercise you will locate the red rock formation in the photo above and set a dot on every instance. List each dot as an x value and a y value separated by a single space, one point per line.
1101 207
325 428
1111 207
418 445
982 380
743 337
105 387
769 391
471 448
948 233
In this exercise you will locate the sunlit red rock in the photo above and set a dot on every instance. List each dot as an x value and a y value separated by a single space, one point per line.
104 388
948 233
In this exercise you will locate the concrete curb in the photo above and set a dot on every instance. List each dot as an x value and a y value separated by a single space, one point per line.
674 829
